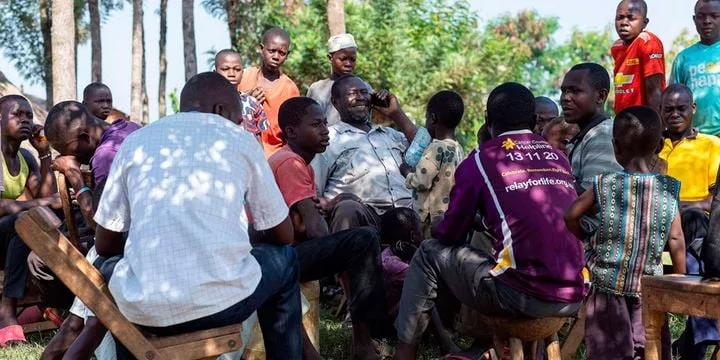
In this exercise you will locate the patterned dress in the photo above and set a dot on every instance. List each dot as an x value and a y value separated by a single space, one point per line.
636 211
434 176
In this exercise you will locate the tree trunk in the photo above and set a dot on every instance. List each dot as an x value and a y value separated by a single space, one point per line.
136 69
231 9
63 49
96 70
163 59
45 28
336 17
188 24
145 106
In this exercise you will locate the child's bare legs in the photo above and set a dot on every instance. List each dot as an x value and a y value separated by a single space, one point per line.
363 347
8 311
66 335
90 337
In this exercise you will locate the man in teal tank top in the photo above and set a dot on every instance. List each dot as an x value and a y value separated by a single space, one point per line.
698 67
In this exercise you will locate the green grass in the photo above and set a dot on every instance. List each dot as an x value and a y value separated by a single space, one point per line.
334 341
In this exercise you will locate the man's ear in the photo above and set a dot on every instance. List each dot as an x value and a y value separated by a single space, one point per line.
535 120
329 57
602 96
289 132
261 47
646 22
219 109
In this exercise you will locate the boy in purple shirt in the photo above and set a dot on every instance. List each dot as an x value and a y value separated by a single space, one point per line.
81 137
521 186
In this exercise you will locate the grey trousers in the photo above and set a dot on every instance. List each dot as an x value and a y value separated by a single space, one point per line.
464 273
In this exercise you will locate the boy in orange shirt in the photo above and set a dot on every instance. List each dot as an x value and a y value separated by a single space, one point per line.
639 59
269 85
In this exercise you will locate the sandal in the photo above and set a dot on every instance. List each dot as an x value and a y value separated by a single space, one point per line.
11 334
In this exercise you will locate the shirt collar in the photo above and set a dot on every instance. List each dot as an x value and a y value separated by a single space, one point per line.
516 132
343 127
692 136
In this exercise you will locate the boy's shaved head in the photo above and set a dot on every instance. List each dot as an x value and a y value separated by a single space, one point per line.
93 87
510 106
223 53
273 33
210 92
448 107
59 118
640 4
7 99
678 89
399 224
292 110
637 131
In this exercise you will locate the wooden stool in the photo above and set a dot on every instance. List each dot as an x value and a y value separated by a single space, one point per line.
688 295
519 330
311 322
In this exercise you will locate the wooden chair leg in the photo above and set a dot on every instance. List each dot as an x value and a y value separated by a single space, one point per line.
516 349
533 350
575 336
499 346
553 348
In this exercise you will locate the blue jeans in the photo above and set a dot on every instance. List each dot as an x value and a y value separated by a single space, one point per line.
276 300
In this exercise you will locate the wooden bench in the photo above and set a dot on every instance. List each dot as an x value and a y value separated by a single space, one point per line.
682 294
38 228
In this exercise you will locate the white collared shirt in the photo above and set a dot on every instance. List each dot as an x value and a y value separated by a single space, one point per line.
179 187
366 164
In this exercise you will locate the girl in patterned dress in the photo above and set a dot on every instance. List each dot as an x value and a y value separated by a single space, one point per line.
638 212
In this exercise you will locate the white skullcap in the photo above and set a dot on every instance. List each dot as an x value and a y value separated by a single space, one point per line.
341 41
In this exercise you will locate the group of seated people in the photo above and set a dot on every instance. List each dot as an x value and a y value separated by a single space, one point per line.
209 215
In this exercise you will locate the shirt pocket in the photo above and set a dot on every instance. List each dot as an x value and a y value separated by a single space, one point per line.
397 154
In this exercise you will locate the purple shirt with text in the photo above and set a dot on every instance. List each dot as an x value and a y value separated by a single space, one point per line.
521 186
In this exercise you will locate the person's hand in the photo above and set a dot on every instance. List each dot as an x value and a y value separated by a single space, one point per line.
53 202
66 164
39 141
391 100
406 169
36 265
322 204
258 93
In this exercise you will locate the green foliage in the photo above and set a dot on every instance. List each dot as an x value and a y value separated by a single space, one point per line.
174 101
21 38
685 39
415 48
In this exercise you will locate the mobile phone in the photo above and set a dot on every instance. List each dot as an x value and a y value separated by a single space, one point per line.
377 102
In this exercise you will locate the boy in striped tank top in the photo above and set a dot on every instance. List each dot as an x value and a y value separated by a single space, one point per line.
638 212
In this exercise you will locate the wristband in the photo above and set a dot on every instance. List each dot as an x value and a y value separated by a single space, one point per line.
82 190
46 156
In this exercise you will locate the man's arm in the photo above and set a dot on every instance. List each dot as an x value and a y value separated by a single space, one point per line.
70 167
309 218
676 243
9 207
108 243
582 205
653 91
598 157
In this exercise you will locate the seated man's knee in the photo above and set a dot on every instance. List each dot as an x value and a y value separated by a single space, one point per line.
348 208
365 239
279 259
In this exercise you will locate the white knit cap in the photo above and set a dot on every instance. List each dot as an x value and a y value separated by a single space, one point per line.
341 41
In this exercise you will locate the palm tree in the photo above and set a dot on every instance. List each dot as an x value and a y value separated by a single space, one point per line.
145 106
188 24
45 25
163 59
137 59
63 50
96 69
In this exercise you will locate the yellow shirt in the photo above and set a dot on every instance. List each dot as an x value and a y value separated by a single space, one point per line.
694 161
14 185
